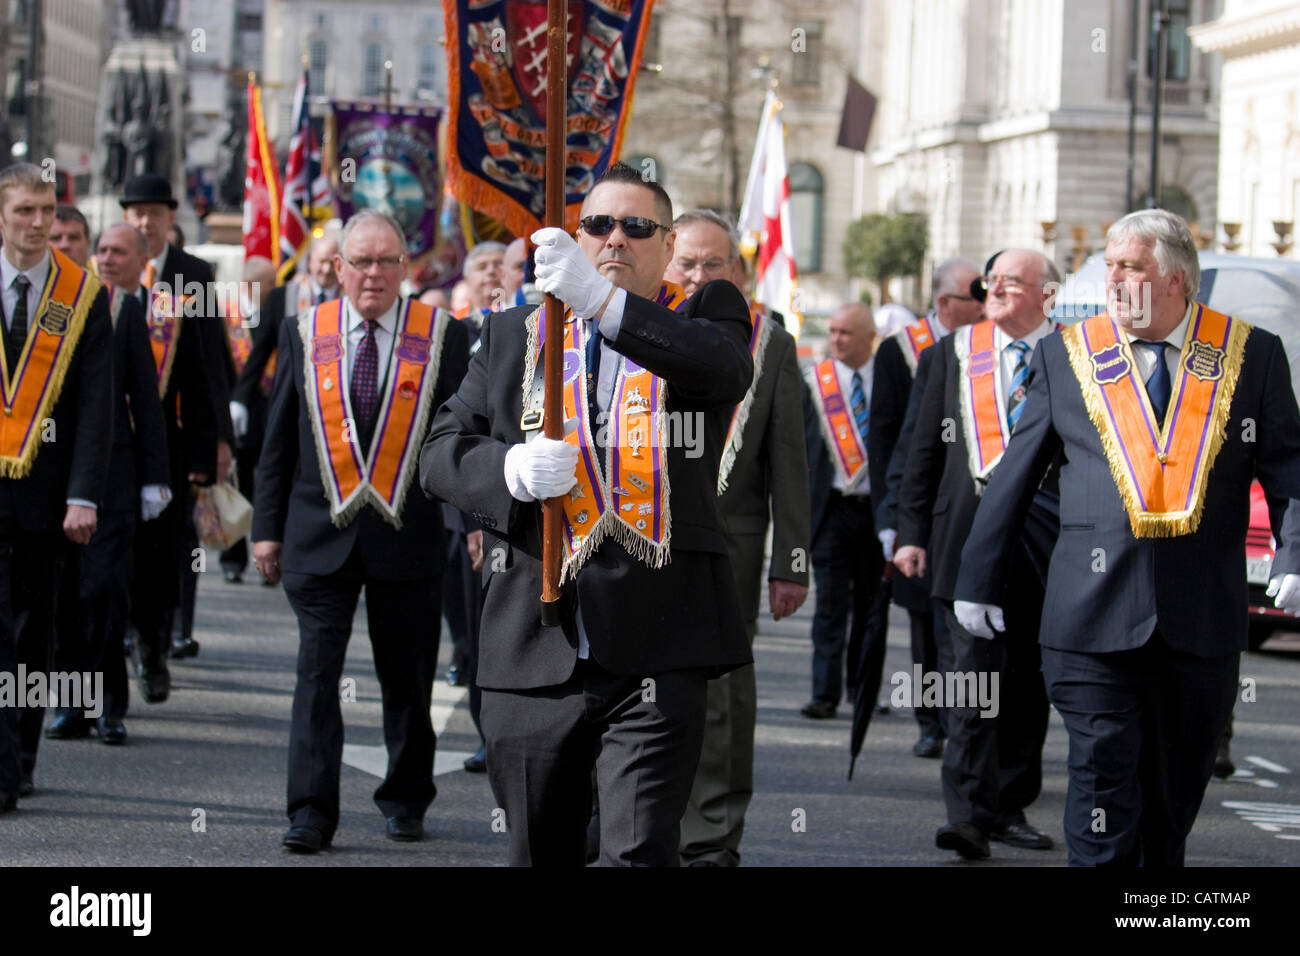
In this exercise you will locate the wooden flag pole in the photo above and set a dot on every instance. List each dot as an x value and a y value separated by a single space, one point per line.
553 410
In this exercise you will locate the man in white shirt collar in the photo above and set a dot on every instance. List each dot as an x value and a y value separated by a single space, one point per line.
320 266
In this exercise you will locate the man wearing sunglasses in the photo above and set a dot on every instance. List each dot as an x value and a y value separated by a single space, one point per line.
358 379
648 611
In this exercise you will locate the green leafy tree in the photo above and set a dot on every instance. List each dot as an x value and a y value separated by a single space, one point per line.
879 247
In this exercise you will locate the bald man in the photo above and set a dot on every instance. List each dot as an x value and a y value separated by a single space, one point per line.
846 556
974 396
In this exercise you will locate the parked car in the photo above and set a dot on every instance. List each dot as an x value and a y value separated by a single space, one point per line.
1263 292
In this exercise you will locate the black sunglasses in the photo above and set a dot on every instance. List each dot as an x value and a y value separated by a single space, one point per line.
636 227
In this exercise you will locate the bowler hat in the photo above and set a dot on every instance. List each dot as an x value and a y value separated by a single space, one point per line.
147 187
979 289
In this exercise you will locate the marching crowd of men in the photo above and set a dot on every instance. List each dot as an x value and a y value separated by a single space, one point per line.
390 444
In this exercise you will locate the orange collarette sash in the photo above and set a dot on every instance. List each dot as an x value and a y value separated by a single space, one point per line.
237 337
838 428
404 408
164 332
980 385
1161 473
632 503
762 331
52 339
915 338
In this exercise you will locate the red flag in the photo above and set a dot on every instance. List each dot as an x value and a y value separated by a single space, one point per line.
765 218
294 231
261 187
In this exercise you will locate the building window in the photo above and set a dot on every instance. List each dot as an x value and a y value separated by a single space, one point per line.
430 67
806 189
318 55
373 84
806 48
376 23
321 20
1177 62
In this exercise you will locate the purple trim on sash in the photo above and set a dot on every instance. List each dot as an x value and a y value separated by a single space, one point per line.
1214 396
1111 412
657 525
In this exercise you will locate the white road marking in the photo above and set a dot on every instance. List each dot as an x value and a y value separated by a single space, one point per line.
374 760
1268 765
1272 818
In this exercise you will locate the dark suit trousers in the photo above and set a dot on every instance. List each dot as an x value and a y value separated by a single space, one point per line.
1144 725
644 741
714 820
992 766
160 554
847 562
30 568
926 628
404 630
462 599
93 607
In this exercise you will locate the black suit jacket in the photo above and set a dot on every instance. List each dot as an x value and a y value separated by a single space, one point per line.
937 497
637 620
217 363
75 464
891 388
1193 586
292 506
139 453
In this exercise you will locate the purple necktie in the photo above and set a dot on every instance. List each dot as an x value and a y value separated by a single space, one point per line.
365 377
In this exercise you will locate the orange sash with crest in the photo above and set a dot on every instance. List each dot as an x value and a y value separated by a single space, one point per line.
758 337
630 500
1161 472
980 385
915 338
29 397
164 332
838 427
352 480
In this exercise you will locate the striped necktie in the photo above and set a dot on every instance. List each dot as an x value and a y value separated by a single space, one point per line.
859 399
1016 391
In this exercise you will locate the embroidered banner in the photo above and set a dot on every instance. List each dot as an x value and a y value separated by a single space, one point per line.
393 159
1161 472
496 62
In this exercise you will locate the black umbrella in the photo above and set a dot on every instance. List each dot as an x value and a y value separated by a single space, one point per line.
870 664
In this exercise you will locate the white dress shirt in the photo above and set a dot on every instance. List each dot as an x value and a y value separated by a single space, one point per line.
1146 359
844 374
36 275
1010 356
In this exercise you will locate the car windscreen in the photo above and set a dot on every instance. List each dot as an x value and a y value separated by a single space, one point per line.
1270 302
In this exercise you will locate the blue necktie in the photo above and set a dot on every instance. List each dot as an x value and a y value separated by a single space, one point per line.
1016 391
859 399
1159 387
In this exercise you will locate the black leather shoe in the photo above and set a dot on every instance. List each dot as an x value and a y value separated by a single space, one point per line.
405 829
186 647
111 731
232 576
456 675
68 727
965 838
1223 765
818 709
155 687
304 840
928 746
1022 835
26 787
8 801
478 762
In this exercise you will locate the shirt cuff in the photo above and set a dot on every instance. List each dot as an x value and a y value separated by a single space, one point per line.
82 502
611 323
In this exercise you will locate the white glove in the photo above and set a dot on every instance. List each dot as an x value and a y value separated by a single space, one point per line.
543 468
887 538
564 271
153 500
1287 590
239 418
976 618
